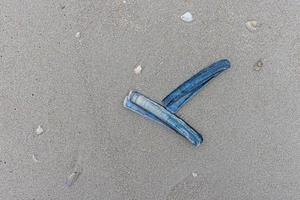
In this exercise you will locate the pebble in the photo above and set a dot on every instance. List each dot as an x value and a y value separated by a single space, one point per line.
194 174
258 65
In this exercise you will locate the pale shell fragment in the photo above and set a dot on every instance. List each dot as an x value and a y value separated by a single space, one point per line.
72 178
138 69
34 158
77 35
251 25
39 130
187 17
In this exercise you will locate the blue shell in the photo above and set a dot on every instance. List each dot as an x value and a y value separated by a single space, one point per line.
165 114
182 94
152 110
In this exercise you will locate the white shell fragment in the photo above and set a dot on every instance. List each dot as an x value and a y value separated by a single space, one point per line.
251 25
138 69
39 130
34 158
194 174
187 17
77 35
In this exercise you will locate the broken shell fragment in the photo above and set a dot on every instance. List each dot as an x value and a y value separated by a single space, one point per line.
77 35
39 130
187 17
72 178
34 158
251 25
74 175
138 69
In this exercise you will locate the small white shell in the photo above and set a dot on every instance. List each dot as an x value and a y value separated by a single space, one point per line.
251 25
138 69
34 158
187 17
194 174
77 35
39 130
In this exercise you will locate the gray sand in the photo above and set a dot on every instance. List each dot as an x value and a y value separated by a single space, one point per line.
73 86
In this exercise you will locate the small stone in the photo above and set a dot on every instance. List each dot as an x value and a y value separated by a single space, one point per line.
194 174
251 25
77 35
258 65
187 17
138 69
39 130
124 1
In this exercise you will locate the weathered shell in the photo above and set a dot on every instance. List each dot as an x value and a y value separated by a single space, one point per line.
183 93
152 110
187 17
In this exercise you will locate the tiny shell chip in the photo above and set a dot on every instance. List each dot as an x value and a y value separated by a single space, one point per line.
72 178
77 35
138 69
39 130
34 158
251 25
187 17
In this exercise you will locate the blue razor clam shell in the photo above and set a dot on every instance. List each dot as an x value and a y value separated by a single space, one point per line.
131 106
152 110
165 114
182 94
